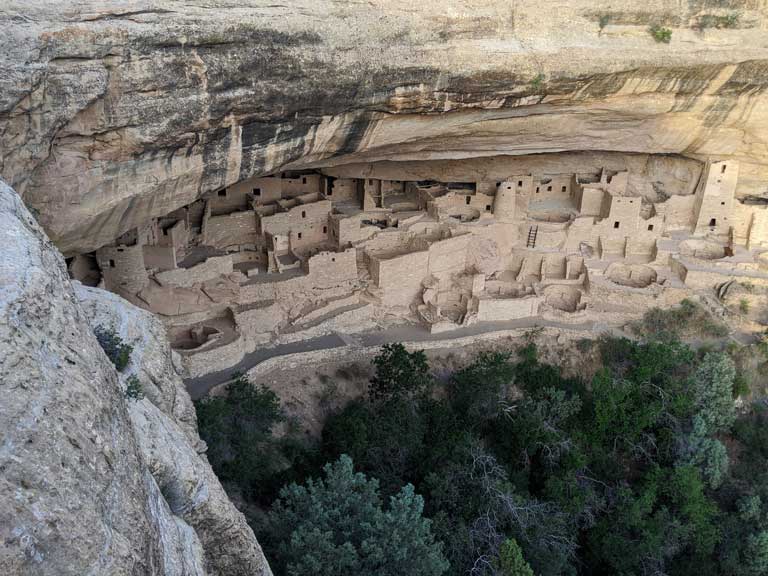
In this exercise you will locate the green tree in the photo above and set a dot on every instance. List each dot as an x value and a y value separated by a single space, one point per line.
478 391
237 427
386 439
665 514
399 373
337 525
713 392
511 561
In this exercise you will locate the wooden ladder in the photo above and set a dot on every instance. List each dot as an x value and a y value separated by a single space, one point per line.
532 232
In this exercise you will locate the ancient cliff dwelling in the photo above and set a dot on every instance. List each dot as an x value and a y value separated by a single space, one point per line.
384 288
280 254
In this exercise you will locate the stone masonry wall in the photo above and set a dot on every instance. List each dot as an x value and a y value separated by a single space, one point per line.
230 230
210 269
122 268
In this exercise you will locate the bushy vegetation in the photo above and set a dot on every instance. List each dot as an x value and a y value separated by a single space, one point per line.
117 351
133 389
660 33
730 20
521 469
338 525
238 428
687 319
537 83
744 306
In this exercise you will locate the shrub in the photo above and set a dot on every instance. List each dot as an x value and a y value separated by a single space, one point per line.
584 345
660 34
399 373
740 385
604 20
116 350
730 20
688 318
133 389
744 306
537 83
338 525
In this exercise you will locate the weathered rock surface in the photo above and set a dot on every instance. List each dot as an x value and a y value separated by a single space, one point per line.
112 113
91 482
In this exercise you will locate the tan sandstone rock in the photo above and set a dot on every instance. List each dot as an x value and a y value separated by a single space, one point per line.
114 113
92 482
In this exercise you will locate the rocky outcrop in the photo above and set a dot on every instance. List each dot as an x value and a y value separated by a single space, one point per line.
166 433
114 113
93 482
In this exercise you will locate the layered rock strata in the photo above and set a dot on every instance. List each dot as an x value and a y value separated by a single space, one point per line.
113 114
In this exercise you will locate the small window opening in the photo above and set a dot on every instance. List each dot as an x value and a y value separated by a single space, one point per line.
537 189
549 188
650 227
722 170
498 184
223 192
298 235
333 259
325 229
257 191
303 214
304 180
713 222
468 200
615 224
722 203
111 263
564 188
487 207
519 183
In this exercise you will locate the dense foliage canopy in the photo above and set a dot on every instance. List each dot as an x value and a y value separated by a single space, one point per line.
645 469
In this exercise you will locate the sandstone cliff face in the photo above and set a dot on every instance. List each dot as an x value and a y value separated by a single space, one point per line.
114 113
92 482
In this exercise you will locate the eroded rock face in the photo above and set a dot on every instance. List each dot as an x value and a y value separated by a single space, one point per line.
165 427
92 482
111 114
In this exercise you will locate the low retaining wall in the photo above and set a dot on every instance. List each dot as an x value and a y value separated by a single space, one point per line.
211 269
494 310
355 354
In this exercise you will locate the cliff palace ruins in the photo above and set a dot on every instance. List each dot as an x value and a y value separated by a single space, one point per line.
282 254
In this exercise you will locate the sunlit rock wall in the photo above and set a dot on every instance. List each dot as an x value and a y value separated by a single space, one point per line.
114 113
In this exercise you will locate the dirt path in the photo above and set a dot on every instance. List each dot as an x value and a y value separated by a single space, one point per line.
200 386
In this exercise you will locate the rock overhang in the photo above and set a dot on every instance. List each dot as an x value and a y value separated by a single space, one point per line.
126 113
